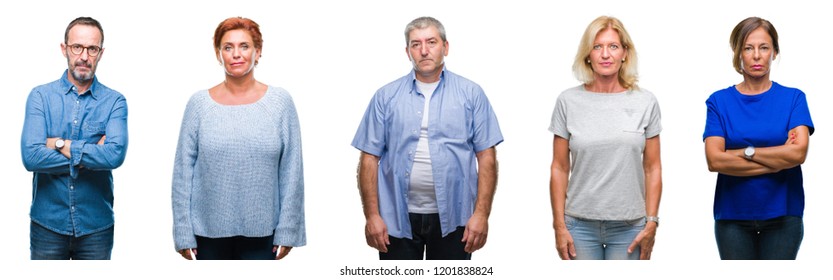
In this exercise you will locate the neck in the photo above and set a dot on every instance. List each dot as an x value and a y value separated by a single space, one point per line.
754 85
240 85
605 84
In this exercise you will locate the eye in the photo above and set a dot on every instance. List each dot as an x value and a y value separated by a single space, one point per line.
244 47
597 47
227 48
415 45
614 47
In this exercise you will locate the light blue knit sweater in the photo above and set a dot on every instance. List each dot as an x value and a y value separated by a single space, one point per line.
238 171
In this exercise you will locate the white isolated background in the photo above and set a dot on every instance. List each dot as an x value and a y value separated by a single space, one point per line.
333 55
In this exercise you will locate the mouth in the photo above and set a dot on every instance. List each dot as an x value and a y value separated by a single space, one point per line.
757 67
606 64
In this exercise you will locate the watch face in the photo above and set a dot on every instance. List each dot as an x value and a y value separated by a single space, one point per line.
749 152
59 144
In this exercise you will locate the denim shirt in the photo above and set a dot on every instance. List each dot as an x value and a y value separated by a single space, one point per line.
461 123
74 196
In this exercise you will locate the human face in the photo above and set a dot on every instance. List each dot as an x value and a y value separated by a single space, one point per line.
607 54
757 53
238 53
82 66
426 50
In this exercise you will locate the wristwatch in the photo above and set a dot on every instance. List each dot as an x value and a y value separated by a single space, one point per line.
749 152
654 219
59 144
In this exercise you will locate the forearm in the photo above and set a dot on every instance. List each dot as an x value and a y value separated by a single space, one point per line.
653 191
778 157
558 196
731 162
559 179
486 181
368 184
291 228
652 166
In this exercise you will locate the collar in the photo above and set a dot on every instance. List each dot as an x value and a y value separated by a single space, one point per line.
67 86
413 79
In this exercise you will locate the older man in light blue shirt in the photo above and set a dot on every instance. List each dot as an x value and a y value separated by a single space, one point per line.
428 168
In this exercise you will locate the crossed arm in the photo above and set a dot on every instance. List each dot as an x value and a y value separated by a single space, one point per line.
766 159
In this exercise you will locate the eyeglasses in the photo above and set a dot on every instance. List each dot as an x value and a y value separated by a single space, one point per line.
77 49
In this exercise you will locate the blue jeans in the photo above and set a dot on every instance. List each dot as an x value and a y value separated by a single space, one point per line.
602 239
773 239
45 244
428 241
235 248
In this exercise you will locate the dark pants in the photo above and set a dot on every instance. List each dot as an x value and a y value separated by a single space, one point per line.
428 242
235 248
45 244
773 239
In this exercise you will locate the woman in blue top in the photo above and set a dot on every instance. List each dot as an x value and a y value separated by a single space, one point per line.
238 183
757 134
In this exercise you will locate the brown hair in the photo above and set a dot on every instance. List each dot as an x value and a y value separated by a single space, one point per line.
742 30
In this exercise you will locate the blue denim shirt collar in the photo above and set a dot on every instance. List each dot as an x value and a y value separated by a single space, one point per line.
67 86
412 84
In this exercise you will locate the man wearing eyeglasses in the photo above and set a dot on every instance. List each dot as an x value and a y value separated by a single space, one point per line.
74 135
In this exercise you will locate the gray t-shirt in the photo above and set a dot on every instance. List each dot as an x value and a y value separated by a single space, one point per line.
607 133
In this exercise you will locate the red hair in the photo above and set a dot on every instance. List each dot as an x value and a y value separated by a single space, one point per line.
235 23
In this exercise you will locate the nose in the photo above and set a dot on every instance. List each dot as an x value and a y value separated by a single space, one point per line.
605 52
85 54
423 49
756 53
236 52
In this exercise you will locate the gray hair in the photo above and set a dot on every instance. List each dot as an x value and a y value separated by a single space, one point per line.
422 23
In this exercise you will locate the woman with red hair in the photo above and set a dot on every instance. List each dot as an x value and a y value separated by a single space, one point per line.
238 186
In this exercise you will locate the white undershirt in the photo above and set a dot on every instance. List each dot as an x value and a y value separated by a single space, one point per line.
422 198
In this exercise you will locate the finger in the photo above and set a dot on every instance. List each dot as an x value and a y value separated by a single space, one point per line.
469 240
635 243
381 243
283 252
563 254
572 249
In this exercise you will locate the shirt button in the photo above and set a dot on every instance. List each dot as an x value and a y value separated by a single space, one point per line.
75 121
71 187
76 101
72 208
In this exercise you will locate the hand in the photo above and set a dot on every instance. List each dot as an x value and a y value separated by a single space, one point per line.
101 141
564 244
376 233
790 139
645 241
50 143
477 229
283 253
187 255
66 149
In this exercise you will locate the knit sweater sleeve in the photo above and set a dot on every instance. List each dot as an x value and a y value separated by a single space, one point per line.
184 163
291 228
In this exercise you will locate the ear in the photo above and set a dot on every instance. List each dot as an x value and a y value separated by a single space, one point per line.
445 48
100 54
64 49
